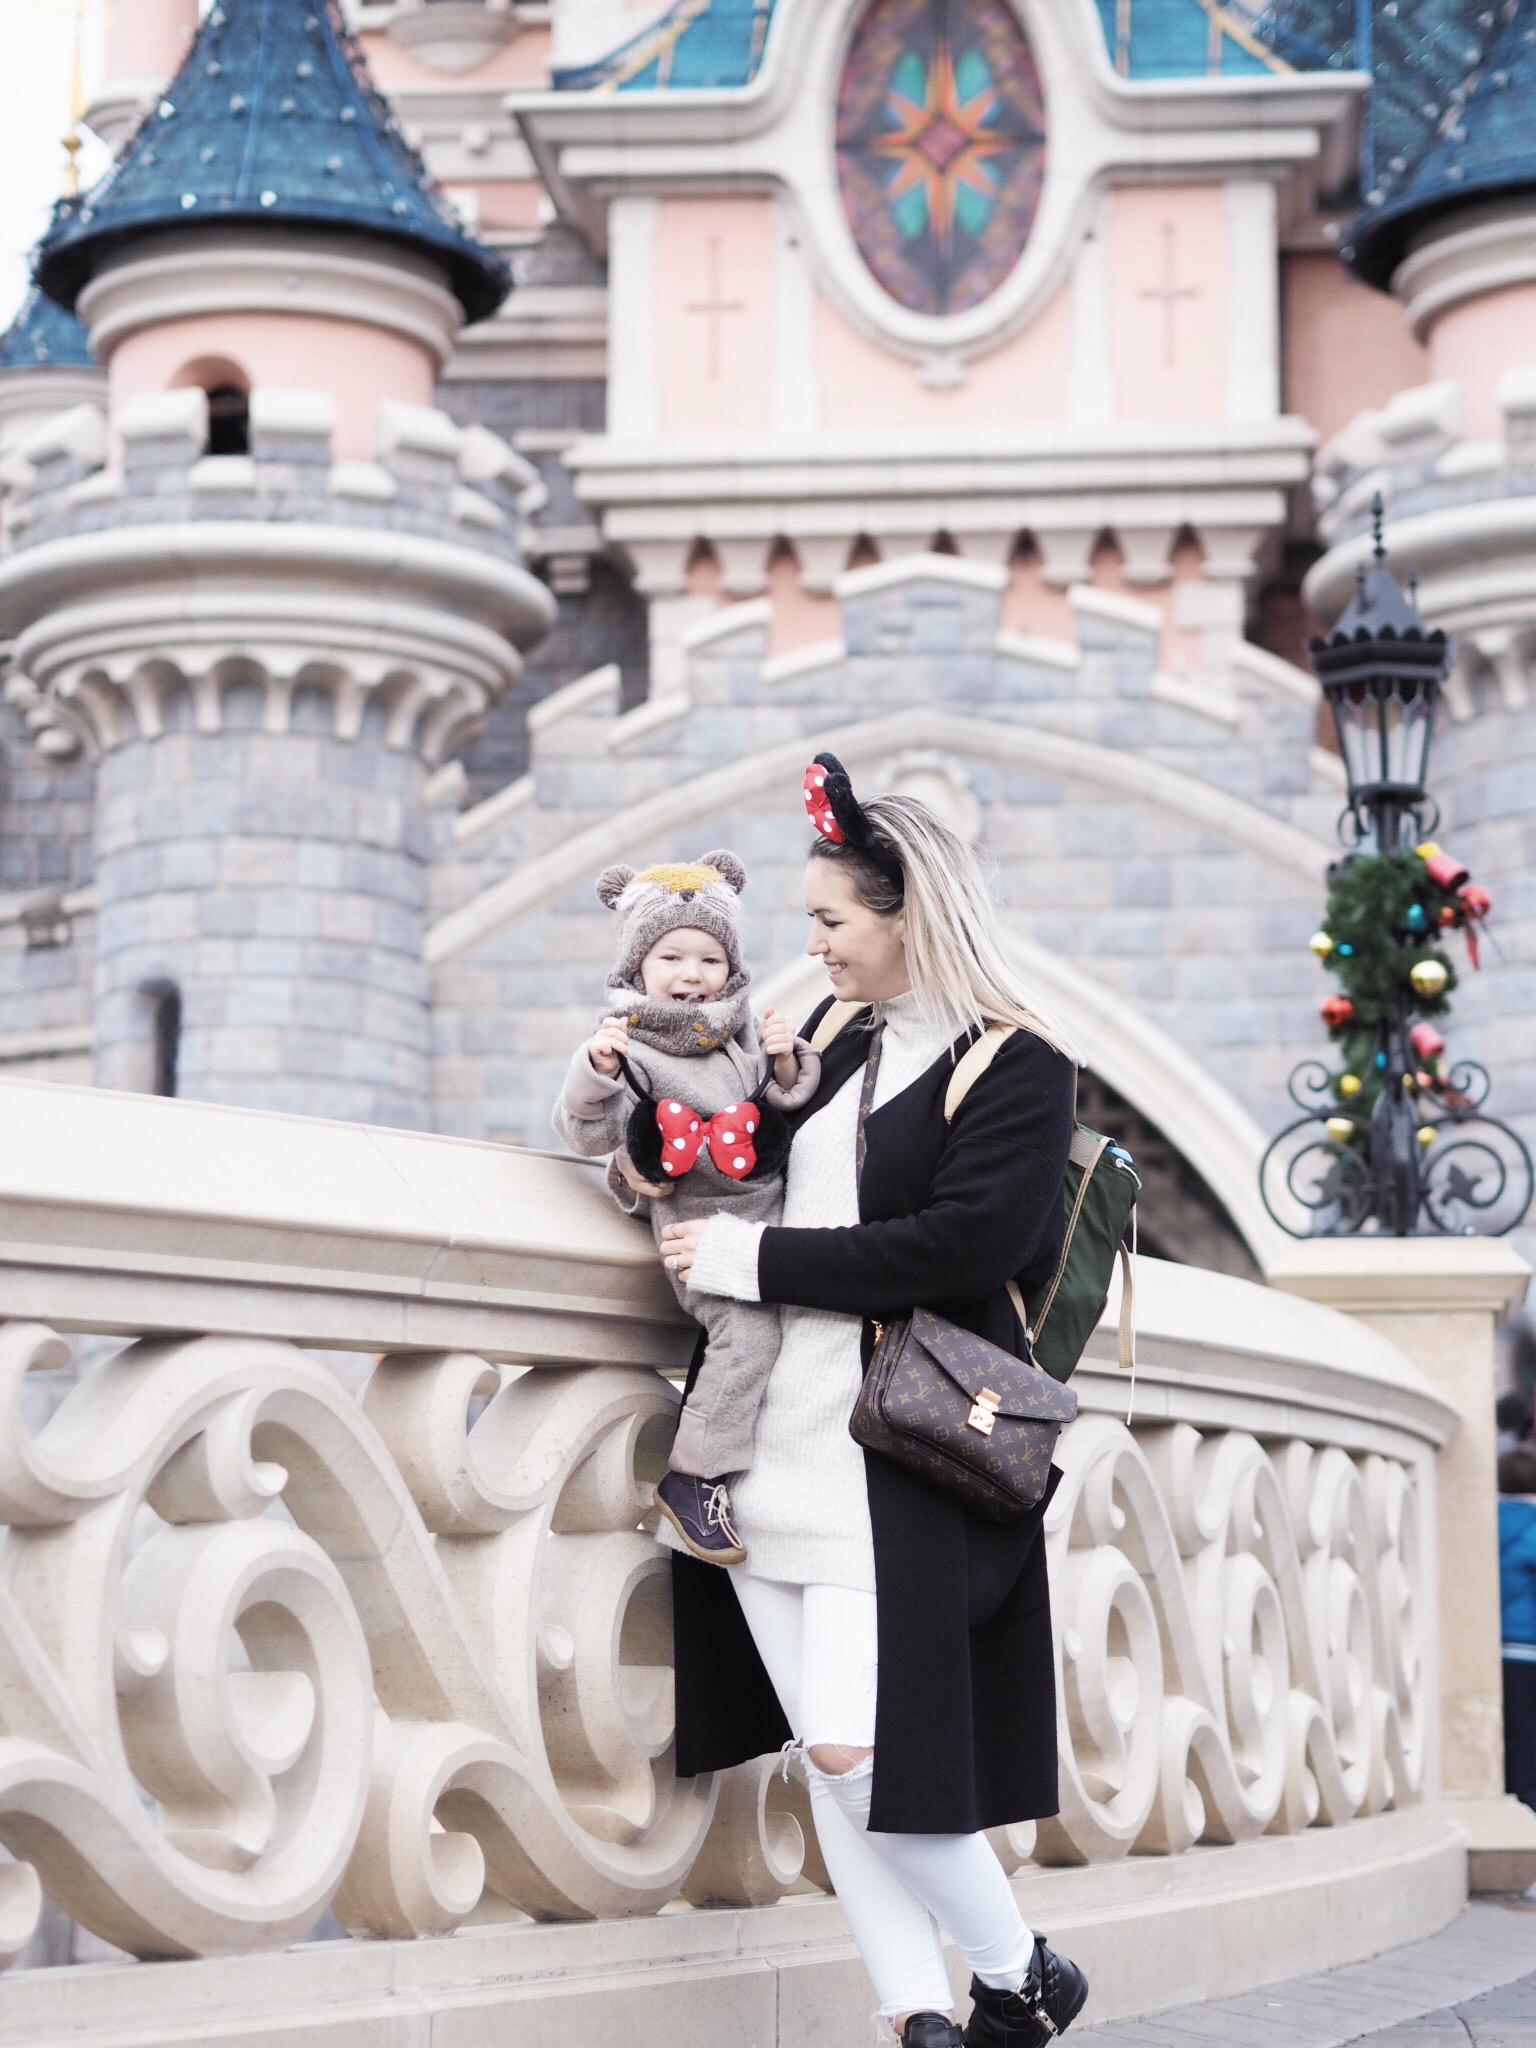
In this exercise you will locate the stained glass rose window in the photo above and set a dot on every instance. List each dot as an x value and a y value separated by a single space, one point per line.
940 148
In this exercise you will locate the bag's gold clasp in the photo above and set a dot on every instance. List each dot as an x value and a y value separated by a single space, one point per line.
984 1411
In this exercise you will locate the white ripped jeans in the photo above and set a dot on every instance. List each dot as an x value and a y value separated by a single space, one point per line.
819 1646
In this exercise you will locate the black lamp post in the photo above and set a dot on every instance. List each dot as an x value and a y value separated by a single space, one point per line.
1381 670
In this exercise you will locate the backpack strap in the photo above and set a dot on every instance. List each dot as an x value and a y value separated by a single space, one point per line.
1128 1308
838 1014
973 1063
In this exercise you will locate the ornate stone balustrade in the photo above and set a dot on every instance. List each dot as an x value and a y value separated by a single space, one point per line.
268 1647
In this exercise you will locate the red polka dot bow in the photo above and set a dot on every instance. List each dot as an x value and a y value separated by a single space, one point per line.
818 804
684 1134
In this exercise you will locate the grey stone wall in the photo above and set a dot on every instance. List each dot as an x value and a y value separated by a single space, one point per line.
277 882
46 813
1483 771
604 622
47 818
1200 934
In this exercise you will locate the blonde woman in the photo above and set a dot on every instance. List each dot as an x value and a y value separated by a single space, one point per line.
900 1643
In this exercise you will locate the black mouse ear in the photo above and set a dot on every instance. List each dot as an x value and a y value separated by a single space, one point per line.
837 793
642 1141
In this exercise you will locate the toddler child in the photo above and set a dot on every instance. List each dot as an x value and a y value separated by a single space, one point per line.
677 1050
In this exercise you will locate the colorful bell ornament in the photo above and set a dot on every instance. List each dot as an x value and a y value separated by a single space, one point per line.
1426 1042
1336 1012
1444 869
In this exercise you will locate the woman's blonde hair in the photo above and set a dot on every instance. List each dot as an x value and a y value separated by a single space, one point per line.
958 959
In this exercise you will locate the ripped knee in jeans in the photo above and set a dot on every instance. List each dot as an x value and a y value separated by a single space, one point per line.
837 1759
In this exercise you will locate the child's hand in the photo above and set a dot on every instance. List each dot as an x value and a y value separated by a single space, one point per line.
606 1043
778 1035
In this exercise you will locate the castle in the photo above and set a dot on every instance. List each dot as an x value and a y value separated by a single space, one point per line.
464 442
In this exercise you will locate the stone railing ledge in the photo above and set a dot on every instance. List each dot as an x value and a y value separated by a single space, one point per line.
1198 1350
182 1215
1405 1276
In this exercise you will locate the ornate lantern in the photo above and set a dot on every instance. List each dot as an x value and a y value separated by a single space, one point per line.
1381 669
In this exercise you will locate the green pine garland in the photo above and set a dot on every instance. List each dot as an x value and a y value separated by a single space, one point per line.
1377 941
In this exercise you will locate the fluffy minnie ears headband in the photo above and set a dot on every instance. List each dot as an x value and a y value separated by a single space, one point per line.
838 815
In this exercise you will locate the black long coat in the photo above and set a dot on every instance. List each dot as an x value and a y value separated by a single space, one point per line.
965 1719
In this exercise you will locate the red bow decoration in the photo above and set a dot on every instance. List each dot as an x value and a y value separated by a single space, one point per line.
819 806
1475 903
684 1134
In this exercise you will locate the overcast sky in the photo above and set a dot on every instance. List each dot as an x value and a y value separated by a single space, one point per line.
36 37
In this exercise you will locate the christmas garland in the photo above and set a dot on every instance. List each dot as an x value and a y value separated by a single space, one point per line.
1388 917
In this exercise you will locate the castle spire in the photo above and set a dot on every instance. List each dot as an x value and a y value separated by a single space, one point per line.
272 120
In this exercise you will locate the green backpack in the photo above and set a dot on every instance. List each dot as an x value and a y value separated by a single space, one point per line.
1098 1194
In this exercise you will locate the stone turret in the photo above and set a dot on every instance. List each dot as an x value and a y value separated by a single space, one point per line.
272 588
46 366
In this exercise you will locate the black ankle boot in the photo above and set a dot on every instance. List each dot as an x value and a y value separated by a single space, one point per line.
931 2030
1046 2003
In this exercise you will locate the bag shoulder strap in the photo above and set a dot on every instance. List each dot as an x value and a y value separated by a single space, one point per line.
973 1063
839 1014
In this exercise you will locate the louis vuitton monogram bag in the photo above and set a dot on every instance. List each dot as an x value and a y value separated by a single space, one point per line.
961 1413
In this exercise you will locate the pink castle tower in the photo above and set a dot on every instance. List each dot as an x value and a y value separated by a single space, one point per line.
273 588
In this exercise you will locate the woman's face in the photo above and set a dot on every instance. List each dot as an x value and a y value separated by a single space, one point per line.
865 955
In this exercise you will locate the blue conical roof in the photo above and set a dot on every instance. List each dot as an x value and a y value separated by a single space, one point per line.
1489 147
272 118
44 337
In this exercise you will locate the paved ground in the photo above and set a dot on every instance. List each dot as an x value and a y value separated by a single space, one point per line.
1473 1983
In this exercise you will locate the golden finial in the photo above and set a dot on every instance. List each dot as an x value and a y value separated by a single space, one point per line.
74 142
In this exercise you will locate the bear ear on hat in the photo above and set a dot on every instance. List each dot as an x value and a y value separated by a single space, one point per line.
727 866
612 883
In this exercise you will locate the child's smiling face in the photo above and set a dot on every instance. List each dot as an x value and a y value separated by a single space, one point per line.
685 966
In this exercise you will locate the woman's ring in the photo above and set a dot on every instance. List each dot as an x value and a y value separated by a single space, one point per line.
673 1264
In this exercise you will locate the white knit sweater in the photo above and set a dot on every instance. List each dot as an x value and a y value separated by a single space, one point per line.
803 1509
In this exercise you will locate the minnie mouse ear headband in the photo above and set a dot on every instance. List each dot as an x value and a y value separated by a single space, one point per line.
839 817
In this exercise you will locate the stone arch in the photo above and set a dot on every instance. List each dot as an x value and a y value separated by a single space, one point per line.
720 789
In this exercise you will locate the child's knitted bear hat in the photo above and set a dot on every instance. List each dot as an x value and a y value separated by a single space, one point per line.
697 896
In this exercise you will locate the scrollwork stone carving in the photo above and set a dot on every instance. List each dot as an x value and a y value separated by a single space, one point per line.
265 1648
427 1682
1236 1638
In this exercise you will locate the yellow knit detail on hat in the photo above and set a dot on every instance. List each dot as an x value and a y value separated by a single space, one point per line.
677 876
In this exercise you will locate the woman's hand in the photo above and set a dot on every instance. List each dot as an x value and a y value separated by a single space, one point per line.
606 1043
629 1173
680 1246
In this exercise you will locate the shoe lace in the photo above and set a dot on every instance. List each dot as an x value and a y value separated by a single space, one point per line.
717 1511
